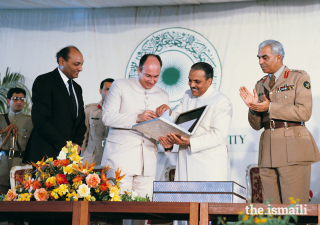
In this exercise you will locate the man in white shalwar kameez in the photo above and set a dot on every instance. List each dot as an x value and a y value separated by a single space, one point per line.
203 156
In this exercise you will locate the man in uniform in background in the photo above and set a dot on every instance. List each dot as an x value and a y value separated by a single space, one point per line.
94 138
12 150
281 104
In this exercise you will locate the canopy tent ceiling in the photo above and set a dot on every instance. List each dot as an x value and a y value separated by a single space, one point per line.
36 4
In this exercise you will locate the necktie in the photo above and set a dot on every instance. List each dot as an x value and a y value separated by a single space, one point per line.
272 81
73 99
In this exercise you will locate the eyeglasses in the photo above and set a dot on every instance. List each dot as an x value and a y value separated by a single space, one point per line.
17 98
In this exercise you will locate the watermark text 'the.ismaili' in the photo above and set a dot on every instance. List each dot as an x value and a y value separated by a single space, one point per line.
295 210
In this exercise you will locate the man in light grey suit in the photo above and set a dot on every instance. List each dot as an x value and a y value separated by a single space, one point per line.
131 101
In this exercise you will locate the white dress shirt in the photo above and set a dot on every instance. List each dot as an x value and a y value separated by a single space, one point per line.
65 81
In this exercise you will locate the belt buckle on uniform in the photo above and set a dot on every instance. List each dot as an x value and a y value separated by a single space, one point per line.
11 151
274 125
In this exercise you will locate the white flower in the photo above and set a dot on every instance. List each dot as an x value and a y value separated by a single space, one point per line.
134 194
111 195
83 191
62 155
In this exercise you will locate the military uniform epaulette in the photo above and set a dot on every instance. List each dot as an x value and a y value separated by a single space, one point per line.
91 104
262 78
299 71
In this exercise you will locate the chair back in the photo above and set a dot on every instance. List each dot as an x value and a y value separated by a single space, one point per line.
18 171
254 185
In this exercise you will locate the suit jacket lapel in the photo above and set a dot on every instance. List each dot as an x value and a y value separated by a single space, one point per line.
63 89
79 98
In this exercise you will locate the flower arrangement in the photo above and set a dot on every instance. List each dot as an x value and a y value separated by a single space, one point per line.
66 179
266 217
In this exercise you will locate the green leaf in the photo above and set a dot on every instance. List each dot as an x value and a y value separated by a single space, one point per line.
52 167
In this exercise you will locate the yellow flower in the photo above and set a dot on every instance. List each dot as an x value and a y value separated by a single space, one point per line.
74 150
116 198
76 185
51 180
298 199
75 157
257 220
279 217
240 213
49 159
293 201
63 188
65 150
291 198
246 217
67 199
68 169
88 197
263 220
114 190
69 143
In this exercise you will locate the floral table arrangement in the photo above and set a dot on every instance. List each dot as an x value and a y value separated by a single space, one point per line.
67 179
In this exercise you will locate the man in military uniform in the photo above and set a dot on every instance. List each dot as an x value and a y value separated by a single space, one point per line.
12 150
94 138
281 104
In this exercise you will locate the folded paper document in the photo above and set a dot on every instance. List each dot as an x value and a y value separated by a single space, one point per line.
186 124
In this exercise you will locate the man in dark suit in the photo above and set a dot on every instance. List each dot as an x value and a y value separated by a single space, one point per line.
57 110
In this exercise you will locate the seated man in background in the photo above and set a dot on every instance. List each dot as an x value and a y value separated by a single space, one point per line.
92 148
12 149
203 156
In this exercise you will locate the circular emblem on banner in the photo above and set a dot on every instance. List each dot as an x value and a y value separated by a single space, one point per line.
179 49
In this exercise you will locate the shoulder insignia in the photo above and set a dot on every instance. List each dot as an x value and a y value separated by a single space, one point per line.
300 71
307 85
286 74
263 79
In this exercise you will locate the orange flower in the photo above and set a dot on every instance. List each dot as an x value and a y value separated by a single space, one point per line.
61 179
12 194
64 162
27 184
56 163
36 184
39 166
19 179
41 194
77 179
104 174
117 173
104 187
93 180
48 184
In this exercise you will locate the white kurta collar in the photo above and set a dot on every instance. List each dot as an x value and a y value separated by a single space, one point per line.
208 93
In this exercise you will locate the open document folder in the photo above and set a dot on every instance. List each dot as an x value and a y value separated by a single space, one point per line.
186 124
